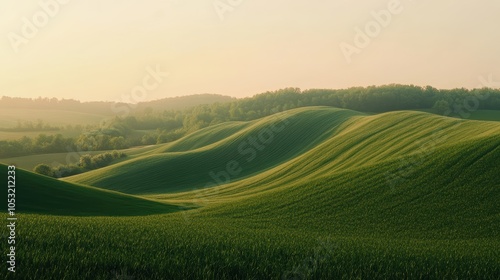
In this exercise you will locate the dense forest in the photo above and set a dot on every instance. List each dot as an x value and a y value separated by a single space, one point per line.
166 125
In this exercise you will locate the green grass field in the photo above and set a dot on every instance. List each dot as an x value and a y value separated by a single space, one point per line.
311 193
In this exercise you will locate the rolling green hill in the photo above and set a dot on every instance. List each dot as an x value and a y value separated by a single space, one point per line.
454 193
312 142
43 195
206 136
273 141
422 175
335 194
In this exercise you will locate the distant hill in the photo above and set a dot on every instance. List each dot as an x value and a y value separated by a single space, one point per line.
183 102
104 107
68 111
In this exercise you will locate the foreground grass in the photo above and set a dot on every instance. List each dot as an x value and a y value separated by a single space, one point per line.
167 247
44 195
345 226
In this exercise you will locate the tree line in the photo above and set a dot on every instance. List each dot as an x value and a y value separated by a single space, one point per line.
374 99
170 125
86 163
24 126
45 144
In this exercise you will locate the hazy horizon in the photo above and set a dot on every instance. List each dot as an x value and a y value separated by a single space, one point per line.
93 51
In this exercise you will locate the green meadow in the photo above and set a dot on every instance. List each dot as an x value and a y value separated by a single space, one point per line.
309 193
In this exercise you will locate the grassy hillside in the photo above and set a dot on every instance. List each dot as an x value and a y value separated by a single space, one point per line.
314 141
206 136
442 221
44 195
279 138
425 184
454 193
335 195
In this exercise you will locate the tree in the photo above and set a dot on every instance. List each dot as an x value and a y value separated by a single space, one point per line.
44 169
148 139
66 170
148 111
441 107
117 143
86 161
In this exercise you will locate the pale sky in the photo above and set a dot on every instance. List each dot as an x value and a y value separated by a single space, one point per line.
100 50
